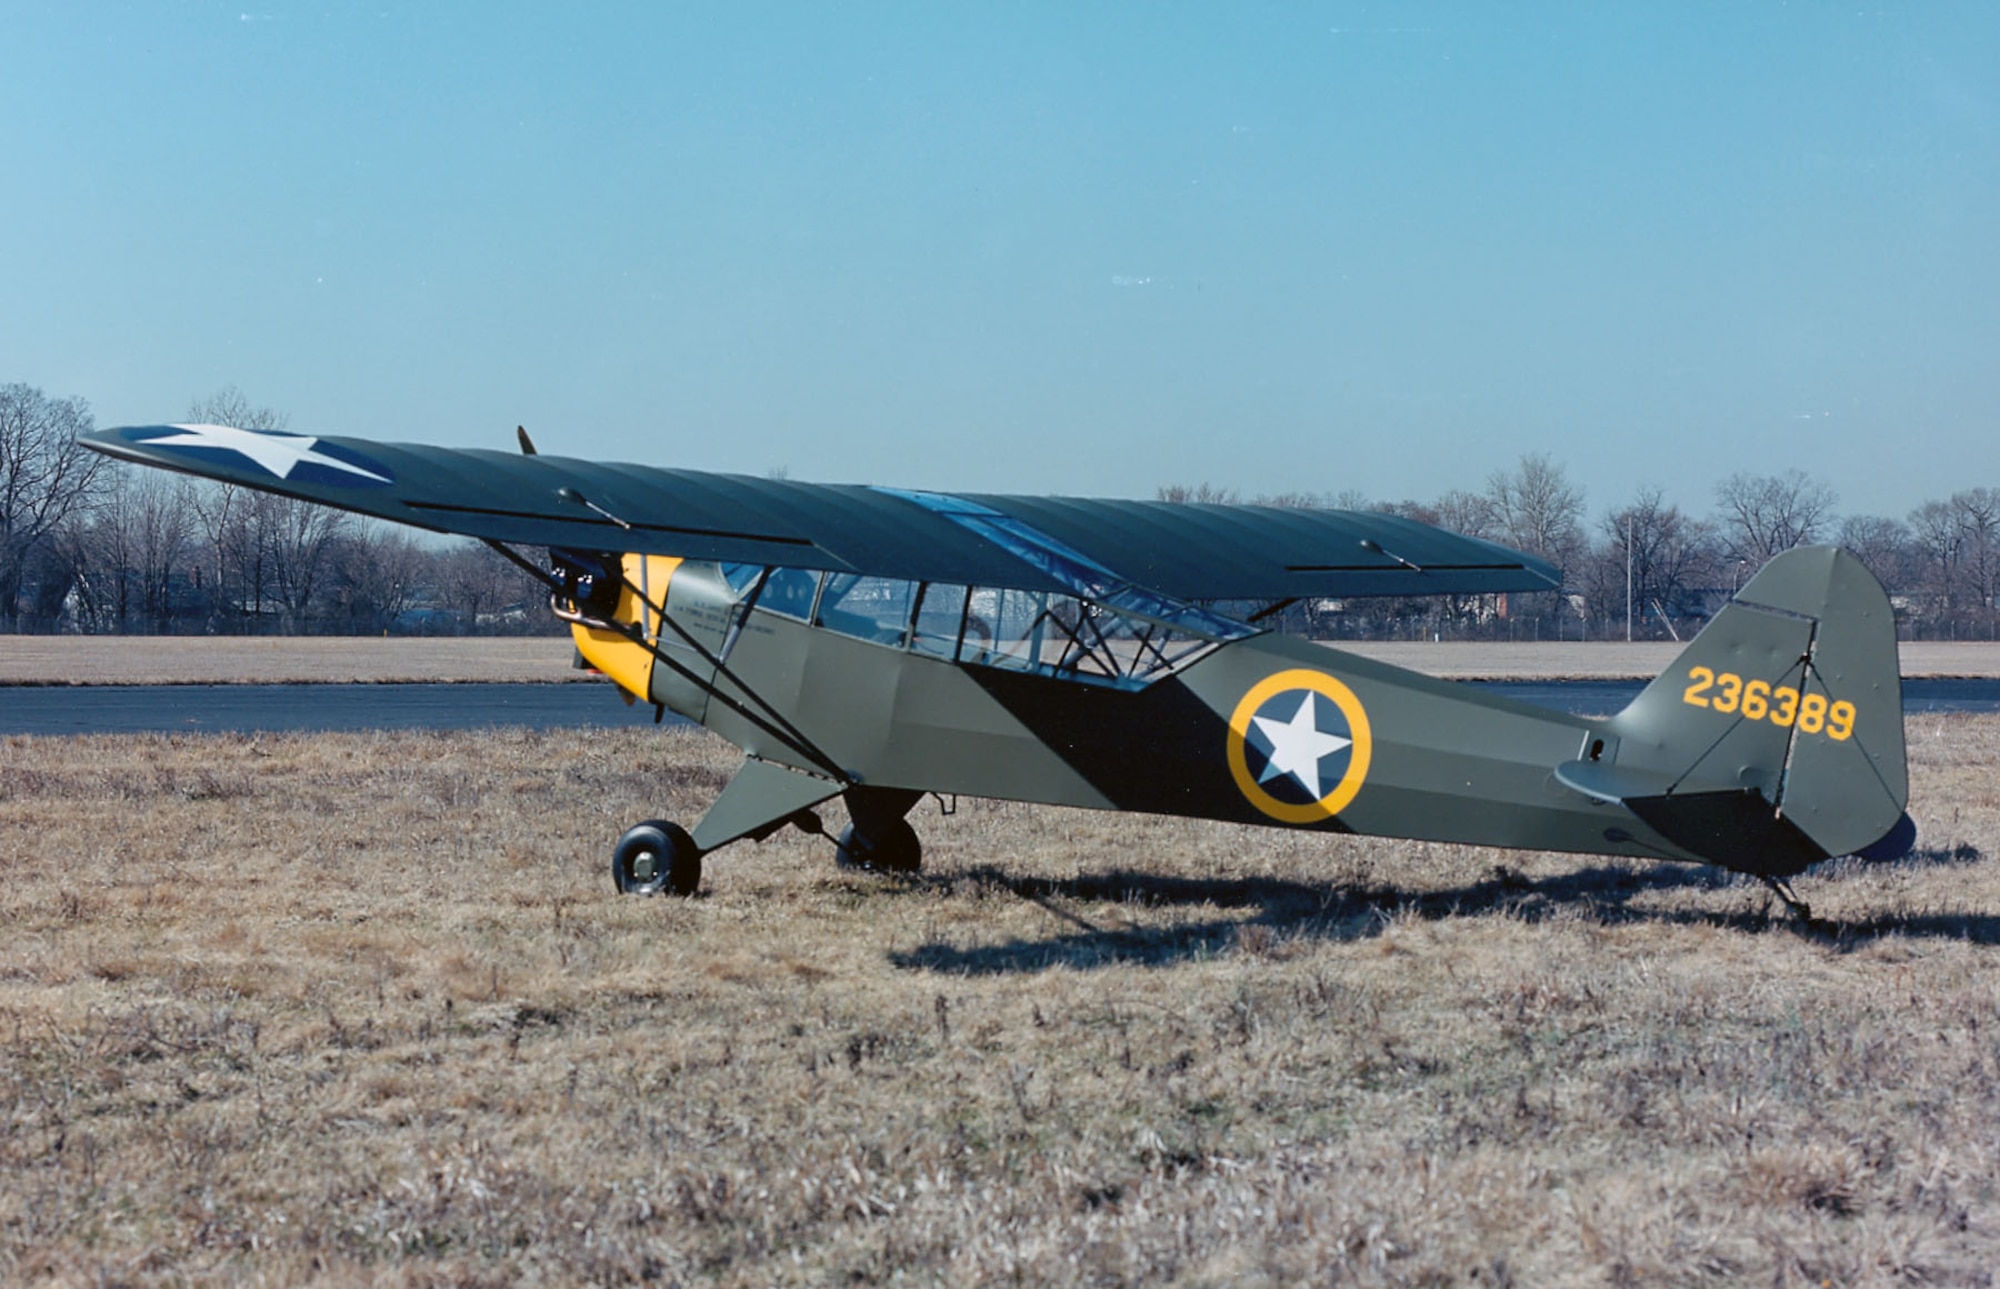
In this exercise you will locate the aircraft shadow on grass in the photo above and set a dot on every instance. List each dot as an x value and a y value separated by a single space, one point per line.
1344 912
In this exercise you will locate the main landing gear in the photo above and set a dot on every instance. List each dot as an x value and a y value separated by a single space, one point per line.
880 838
895 849
658 857
654 857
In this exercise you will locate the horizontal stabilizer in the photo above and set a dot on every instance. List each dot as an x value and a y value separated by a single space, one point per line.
1612 784
1736 829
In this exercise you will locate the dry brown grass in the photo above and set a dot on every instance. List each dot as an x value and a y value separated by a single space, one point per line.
275 660
361 1009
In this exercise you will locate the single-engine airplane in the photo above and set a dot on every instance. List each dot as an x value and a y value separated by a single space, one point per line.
880 644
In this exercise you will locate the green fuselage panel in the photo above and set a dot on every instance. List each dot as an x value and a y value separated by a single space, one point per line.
1270 730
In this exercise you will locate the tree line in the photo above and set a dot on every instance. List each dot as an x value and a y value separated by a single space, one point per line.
88 544
1651 569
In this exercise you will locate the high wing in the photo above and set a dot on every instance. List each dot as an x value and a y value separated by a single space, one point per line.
1186 552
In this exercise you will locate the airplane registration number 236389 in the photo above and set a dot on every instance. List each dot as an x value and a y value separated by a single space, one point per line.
1727 692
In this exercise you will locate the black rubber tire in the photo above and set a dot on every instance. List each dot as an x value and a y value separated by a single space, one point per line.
656 856
892 848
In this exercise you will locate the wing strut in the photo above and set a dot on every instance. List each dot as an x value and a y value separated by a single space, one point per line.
769 719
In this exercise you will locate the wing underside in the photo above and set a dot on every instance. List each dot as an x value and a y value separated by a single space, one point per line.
1188 552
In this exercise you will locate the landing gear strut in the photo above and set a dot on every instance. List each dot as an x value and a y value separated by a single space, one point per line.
659 857
654 857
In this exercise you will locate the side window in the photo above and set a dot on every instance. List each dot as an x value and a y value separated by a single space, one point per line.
940 614
867 608
982 608
790 591
1004 628
1067 635
741 577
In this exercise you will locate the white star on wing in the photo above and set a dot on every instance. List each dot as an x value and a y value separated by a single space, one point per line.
1296 747
277 453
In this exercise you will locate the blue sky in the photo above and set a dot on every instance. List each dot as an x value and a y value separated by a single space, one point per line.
1082 248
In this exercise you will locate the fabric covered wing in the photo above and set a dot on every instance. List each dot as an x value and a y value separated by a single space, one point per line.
1190 552
1214 552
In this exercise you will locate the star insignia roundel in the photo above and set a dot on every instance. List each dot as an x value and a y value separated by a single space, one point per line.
1299 746
299 458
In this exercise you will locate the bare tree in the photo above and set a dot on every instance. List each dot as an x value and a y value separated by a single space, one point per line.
230 406
1535 508
1883 545
297 540
223 509
1977 512
1764 515
477 584
377 571
1200 493
1935 540
1464 512
90 555
162 519
1423 512
1654 561
217 511
44 478
1291 500
138 536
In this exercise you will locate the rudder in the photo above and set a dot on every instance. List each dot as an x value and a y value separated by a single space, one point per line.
1776 737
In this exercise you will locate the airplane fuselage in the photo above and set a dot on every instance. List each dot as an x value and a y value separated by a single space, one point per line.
1269 730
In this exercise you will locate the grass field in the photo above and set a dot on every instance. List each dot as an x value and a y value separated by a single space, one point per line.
362 1009
273 660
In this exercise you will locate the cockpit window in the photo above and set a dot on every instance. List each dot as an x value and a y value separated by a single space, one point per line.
867 608
790 591
1066 636
940 618
741 577
1004 628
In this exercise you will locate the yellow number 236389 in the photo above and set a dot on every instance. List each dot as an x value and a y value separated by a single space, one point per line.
1756 700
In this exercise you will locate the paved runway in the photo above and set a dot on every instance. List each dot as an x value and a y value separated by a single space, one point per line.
128 709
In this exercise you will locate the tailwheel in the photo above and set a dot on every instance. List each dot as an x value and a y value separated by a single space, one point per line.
1783 890
891 846
656 856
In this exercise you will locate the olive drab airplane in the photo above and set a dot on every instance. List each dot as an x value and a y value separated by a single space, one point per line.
880 644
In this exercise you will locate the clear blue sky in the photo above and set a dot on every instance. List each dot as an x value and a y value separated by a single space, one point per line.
1066 247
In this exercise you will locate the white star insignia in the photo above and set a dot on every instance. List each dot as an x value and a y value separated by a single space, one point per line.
1297 746
277 453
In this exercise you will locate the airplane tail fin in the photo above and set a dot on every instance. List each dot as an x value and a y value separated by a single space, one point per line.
1775 740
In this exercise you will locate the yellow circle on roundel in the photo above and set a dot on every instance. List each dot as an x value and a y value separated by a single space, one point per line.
1309 682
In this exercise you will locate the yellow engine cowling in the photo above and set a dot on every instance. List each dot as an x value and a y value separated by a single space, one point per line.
640 602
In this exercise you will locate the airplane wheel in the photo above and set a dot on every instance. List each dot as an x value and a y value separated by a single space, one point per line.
895 849
654 857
